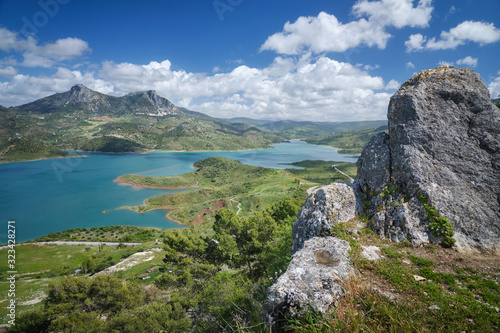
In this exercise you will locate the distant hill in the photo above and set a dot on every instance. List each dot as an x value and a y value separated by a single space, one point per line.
307 129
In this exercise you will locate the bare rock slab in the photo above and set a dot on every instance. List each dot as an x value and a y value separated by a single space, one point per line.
313 279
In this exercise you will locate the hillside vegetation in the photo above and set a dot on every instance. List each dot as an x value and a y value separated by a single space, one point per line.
25 149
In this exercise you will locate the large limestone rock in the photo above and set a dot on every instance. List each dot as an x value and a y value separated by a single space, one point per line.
444 144
374 168
313 280
328 205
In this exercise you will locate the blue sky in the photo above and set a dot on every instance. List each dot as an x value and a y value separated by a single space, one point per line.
304 60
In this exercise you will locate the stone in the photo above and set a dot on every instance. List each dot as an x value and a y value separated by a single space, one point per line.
328 205
434 307
313 280
419 278
374 163
371 253
443 145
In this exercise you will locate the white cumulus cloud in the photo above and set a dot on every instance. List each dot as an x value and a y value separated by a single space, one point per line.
397 13
325 33
468 61
469 31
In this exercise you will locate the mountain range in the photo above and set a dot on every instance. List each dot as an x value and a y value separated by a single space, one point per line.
80 100
83 119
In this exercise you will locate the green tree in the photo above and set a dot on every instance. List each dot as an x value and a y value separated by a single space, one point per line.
285 209
245 240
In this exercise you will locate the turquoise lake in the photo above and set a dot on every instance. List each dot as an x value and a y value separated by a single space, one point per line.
53 195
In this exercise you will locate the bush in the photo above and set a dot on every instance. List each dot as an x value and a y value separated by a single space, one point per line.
154 317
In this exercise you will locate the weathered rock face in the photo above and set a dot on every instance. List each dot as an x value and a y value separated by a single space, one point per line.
313 279
444 144
374 168
326 206
81 94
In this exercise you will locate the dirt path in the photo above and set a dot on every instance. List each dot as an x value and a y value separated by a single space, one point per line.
239 205
265 188
350 178
127 263
312 189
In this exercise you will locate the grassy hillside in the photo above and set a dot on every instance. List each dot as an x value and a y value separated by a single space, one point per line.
221 182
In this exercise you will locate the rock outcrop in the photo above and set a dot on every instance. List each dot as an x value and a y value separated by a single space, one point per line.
434 178
443 150
328 205
313 280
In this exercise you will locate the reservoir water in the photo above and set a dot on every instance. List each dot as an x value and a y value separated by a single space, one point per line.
53 195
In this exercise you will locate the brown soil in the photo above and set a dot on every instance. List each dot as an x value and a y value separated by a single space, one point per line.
210 211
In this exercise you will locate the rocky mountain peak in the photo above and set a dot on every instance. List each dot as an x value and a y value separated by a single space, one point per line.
81 94
154 104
